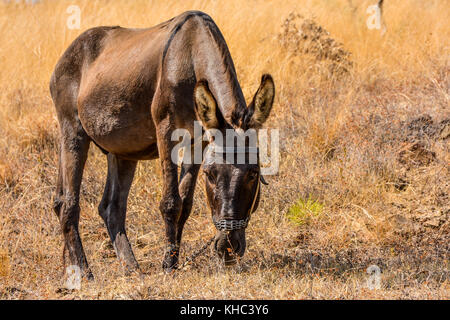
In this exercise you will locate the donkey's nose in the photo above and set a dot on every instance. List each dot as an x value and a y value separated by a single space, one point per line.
230 245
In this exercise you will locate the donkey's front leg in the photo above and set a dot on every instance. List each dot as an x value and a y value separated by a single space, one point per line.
170 205
188 179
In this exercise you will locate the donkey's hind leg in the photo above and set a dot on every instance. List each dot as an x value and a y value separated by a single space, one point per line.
73 155
113 207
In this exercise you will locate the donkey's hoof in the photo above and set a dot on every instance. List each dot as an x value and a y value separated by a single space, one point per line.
170 264
133 270
170 261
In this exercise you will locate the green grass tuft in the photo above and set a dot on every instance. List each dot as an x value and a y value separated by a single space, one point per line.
303 211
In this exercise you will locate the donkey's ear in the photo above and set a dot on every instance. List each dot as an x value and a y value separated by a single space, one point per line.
205 105
262 102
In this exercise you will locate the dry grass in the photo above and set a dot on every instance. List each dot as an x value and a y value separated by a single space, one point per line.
369 144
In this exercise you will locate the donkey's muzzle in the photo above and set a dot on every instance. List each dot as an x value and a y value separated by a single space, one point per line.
230 245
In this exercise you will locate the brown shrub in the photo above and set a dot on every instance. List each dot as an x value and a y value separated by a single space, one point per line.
301 36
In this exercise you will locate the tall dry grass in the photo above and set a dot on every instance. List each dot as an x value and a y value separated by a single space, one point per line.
369 144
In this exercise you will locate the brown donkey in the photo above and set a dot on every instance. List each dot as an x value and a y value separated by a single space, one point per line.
127 90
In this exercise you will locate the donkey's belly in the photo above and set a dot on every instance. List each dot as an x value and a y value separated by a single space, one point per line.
116 93
120 129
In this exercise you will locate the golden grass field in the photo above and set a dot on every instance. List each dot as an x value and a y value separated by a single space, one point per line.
364 177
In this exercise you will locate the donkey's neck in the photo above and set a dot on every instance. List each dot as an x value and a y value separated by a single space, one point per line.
213 62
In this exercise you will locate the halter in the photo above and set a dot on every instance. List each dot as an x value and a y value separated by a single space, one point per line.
236 224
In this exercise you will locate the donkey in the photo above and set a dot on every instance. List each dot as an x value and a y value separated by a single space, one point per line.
127 90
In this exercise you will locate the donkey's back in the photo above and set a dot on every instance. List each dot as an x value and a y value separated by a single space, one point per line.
113 74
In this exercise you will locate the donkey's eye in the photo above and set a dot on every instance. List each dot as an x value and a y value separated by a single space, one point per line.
253 175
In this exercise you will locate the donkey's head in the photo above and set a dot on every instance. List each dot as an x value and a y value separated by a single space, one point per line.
232 173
